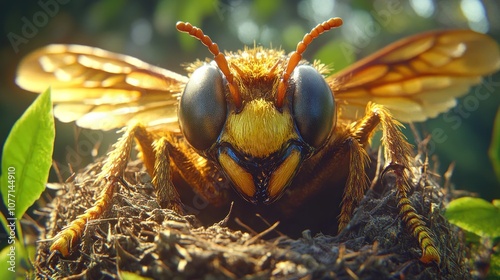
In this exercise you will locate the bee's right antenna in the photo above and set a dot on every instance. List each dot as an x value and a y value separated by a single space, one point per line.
296 56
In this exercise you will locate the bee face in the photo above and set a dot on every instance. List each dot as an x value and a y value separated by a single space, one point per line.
259 145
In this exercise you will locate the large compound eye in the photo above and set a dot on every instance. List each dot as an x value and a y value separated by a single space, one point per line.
202 108
313 105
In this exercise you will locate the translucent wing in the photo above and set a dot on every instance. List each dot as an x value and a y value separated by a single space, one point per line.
100 89
418 77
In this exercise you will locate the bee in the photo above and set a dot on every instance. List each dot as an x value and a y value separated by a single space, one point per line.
272 126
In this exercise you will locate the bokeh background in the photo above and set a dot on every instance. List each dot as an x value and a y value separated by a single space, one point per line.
146 30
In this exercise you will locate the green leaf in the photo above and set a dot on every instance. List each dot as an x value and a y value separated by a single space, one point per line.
10 262
4 222
27 157
494 150
476 215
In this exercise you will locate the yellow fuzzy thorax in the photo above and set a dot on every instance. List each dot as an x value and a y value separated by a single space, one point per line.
256 71
259 129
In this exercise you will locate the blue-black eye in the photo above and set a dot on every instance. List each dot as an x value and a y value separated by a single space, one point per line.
313 106
202 107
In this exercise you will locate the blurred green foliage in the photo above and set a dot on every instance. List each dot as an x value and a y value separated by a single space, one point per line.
494 150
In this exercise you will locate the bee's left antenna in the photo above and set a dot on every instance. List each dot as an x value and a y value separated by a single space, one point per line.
219 57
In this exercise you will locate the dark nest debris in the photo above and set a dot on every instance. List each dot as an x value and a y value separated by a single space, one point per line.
136 237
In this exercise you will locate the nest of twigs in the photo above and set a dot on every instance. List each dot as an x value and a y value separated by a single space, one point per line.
136 237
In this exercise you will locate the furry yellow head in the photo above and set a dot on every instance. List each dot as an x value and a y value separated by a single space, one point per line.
259 131
258 113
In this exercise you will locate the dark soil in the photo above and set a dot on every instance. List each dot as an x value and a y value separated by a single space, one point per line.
136 236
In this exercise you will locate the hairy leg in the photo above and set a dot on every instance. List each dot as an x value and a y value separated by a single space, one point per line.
397 152
107 180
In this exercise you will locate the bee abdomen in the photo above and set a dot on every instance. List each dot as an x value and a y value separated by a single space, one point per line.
418 228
